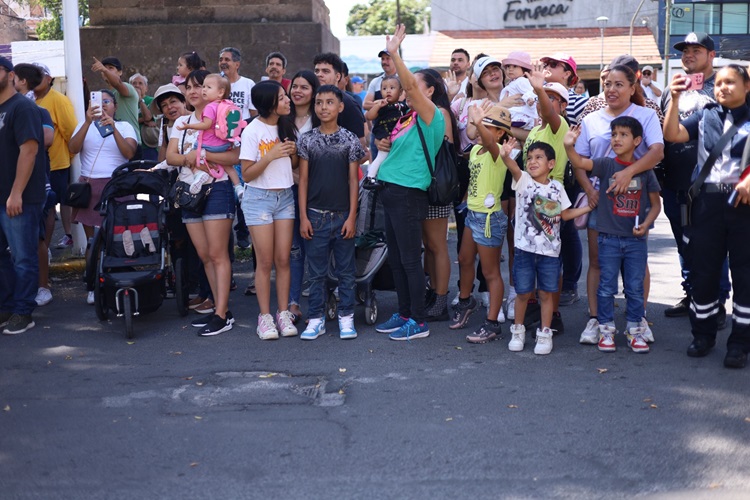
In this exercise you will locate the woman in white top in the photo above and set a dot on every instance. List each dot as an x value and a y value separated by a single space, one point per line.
268 154
210 230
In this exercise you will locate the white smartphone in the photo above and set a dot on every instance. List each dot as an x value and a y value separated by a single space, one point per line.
96 100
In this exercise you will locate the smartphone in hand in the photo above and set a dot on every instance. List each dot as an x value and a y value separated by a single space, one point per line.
96 100
695 81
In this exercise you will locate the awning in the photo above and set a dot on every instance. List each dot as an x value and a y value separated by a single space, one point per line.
583 44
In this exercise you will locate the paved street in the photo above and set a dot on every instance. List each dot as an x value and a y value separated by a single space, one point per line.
170 415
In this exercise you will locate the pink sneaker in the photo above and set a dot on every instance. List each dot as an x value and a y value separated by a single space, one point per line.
267 328
285 320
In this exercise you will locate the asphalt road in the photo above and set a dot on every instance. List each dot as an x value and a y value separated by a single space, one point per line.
88 414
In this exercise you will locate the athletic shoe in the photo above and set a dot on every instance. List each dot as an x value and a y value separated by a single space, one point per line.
411 330
315 328
607 338
207 307
195 302
90 298
393 324
636 341
202 320
590 334
569 297
216 325
543 341
4 318
511 312
518 338
65 242
484 297
346 327
43 296
461 313
501 315
266 327
243 242
648 335
285 320
484 334
18 323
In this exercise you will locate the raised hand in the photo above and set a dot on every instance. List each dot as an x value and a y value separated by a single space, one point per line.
536 76
571 136
393 42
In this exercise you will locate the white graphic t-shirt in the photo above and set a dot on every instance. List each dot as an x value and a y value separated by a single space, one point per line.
538 209
241 96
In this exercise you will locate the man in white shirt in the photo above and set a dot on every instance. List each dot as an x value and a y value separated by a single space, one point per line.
229 64
648 82
373 91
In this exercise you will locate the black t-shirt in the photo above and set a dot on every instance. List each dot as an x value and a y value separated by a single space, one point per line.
387 118
20 122
328 157
352 118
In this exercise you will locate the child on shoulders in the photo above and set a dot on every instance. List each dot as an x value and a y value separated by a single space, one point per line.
623 222
328 188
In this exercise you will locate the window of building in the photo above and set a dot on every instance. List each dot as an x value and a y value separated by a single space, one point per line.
682 19
713 18
734 19
707 17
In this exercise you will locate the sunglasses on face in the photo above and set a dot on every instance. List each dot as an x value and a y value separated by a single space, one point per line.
647 73
551 64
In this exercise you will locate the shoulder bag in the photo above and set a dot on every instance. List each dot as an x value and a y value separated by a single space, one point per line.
443 187
180 194
78 194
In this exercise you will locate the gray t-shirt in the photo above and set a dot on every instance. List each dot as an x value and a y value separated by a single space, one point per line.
615 214
328 157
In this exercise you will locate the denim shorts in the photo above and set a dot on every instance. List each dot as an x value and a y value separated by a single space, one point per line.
220 204
529 268
477 222
263 206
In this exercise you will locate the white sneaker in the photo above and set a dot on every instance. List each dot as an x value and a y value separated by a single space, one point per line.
454 302
648 335
501 315
346 327
590 334
511 313
266 327
199 178
485 298
43 296
285 320
543 341
90 298
518 339
315 328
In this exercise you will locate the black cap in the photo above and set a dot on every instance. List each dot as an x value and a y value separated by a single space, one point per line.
6 63
625 60
384 53
697 38
112 61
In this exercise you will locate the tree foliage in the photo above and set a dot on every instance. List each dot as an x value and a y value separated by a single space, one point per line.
378 17
51 28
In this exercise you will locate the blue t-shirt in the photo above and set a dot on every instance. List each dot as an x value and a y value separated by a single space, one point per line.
20 121
615 214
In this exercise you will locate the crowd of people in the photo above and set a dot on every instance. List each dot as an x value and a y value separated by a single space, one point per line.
539 160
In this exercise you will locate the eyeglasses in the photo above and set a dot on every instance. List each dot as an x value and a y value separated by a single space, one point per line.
107 101
647 73
554 99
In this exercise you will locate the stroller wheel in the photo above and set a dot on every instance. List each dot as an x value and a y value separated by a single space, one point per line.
331 306
100 301
127 312
371 312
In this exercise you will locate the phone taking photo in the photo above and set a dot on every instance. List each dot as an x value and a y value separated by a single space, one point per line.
694 81
96 100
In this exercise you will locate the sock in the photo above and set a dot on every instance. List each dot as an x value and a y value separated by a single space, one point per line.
492 322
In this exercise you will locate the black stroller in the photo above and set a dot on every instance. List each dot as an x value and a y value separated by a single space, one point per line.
371 254
130 260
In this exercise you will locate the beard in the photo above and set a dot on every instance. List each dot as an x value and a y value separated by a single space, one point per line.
4 82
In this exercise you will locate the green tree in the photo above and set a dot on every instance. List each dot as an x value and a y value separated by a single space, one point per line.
51 27
378 17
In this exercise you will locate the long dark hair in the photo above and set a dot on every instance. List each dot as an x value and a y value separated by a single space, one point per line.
637 97
197 75
314 84
439 95
193 60
265 97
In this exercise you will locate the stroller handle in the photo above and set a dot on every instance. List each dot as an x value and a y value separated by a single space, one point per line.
133 165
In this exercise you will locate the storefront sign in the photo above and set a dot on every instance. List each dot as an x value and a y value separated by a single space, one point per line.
534 12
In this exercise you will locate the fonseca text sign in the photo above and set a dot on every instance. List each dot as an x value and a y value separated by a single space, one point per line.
527 13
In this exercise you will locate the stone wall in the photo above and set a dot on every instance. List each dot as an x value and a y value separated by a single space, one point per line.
12 29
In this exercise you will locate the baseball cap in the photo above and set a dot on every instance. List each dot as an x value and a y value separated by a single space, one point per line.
44 68
6 63
696 38
384 53
498 117
112 61
520 59
558 89
483 63
647 68
564 58
625 60
357 79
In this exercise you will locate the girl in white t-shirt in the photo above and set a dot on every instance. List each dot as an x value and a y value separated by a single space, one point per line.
268 154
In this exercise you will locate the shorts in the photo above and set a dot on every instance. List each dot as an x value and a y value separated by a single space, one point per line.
263 206
220 204
439 211
477 222
530 268
59 180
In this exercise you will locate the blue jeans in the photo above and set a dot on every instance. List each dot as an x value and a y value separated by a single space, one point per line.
297 256
327 240
630 254
571 255
19 263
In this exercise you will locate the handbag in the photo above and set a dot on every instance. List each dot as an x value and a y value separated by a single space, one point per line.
78 195
181 197
443 187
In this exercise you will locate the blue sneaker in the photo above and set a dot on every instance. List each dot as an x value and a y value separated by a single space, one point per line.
346 327
315 328
411 330
392 325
